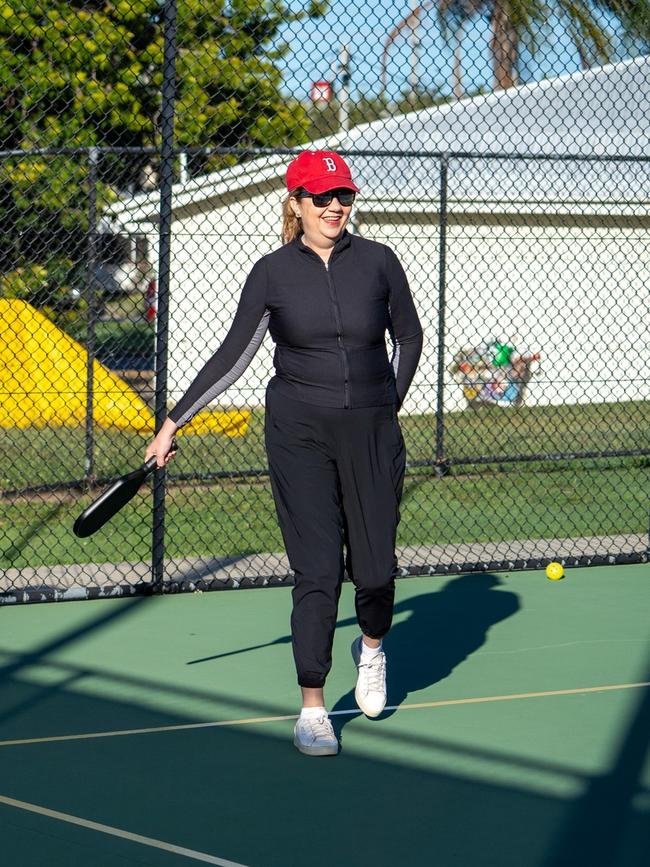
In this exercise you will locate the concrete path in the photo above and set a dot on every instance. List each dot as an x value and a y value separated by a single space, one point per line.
234 570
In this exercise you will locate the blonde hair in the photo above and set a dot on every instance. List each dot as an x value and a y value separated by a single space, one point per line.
291 225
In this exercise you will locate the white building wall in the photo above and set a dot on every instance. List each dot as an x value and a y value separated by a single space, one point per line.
212 254
578 296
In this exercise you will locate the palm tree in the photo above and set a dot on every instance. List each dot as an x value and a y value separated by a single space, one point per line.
590 41
458 13
511 21
515 21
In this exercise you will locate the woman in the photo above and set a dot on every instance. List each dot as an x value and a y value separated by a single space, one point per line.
335 449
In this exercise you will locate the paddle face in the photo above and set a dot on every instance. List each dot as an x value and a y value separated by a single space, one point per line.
111 500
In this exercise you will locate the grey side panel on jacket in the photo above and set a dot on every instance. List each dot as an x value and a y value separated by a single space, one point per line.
328 324
236 351
231 376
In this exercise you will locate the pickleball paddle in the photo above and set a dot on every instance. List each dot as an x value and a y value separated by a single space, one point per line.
115 497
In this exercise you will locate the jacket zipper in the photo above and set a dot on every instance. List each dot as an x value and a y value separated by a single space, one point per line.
339 336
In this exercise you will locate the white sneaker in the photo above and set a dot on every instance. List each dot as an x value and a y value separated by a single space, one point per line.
315 736
370 692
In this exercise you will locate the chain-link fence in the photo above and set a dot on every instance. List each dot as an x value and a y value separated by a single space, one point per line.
142 157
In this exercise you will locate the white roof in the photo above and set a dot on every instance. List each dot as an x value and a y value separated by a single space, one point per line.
145 206
598 112
603 111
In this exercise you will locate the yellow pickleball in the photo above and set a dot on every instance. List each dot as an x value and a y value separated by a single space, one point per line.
554 571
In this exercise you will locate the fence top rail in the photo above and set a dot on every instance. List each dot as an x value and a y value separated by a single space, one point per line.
443 156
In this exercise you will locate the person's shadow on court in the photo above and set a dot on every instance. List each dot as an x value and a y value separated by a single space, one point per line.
443 629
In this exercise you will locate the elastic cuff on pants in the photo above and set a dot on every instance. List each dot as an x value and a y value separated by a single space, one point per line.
311 680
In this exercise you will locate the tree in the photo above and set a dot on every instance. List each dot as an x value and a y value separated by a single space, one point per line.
515 21
71 75
458 13
229 76
82 73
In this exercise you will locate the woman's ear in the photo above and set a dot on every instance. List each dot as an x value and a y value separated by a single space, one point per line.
295 207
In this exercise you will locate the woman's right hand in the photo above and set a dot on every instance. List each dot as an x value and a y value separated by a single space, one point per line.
161 446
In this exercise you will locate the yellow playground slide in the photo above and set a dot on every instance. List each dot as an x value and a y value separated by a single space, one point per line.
43 382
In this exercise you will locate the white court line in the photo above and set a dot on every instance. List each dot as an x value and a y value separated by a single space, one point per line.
118 832
267 719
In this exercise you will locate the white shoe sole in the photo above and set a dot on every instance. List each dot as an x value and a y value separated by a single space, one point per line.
316 751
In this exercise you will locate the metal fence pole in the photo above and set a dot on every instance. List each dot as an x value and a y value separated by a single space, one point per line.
91 296
166 181
442 285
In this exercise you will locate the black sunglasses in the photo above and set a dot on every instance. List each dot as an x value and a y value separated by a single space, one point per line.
322 200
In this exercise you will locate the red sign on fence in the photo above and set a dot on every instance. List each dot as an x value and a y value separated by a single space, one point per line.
321 92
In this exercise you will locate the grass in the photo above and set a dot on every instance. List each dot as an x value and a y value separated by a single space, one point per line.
120 337
534 500
50 455
125 338
230 518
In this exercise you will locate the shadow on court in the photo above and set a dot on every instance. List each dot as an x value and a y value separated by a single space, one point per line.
443 628
249 797
243 793
600 826
18 698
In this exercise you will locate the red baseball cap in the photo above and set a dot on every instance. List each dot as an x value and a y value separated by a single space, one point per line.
319 171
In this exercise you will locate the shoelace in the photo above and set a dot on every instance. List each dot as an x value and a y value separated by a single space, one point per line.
375 673
321 727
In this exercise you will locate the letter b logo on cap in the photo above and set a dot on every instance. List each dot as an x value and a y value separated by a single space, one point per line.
318 171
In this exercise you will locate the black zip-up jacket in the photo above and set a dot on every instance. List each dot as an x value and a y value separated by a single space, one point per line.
328 323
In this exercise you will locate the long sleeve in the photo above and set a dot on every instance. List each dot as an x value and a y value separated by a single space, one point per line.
235 353
405 329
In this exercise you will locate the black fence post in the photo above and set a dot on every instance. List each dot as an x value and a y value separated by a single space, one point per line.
91 297
441 466
162 327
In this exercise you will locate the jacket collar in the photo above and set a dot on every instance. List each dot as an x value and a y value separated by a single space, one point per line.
343 243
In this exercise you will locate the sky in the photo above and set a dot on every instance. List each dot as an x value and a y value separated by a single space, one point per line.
364 26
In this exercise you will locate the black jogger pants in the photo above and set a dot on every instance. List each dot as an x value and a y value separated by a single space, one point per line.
337 477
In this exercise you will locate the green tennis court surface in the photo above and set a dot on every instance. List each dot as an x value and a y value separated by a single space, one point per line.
503 749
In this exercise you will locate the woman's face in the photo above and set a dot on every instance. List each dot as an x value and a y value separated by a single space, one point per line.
321 225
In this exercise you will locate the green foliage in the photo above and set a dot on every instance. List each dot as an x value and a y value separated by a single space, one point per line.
520 21
23 283
84 73
79 73
50 288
